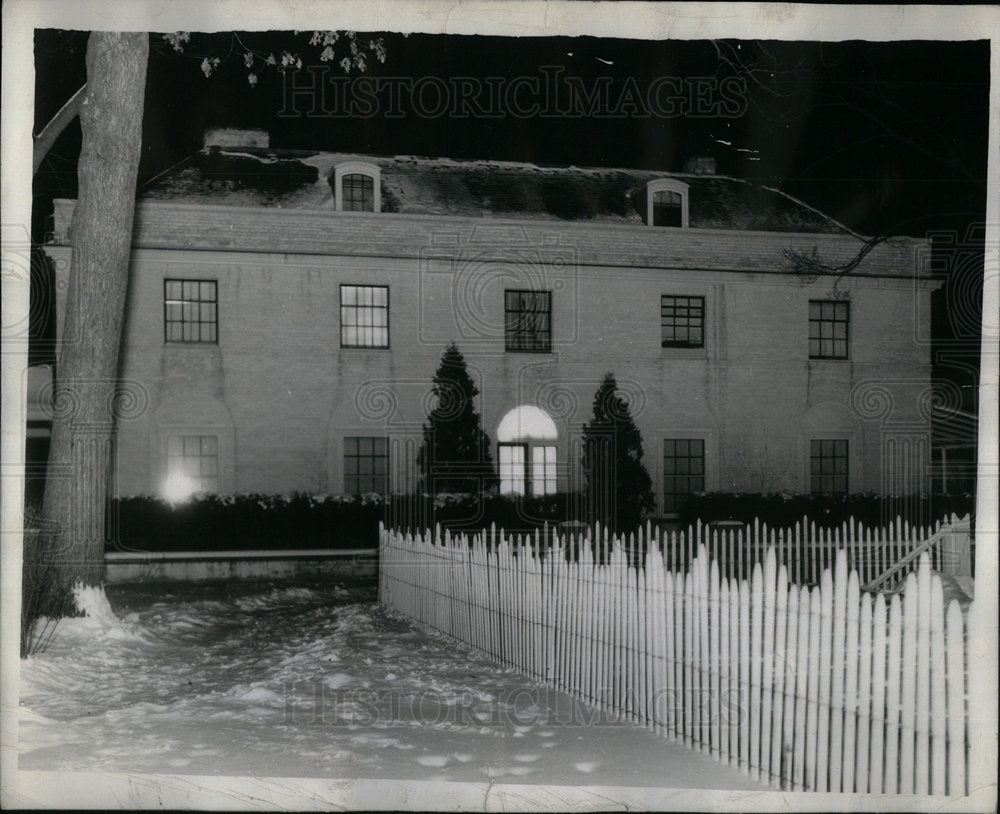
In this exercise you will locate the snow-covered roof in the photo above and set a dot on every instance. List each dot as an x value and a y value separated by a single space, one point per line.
296 179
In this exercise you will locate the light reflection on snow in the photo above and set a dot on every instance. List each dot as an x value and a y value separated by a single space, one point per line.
276 679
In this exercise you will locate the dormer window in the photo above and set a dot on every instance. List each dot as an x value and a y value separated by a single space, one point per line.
666 203
358 191
357 187
667 208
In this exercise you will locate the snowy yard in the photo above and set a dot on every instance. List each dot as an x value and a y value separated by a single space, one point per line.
312 680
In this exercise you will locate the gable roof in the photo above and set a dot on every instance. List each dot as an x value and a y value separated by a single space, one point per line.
295 179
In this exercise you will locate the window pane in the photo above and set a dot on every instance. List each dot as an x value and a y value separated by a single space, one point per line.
366 464
683 470
528 320
667 209
358 192
682 321
512 474
190 312
362 308
829 464
192 464
830 323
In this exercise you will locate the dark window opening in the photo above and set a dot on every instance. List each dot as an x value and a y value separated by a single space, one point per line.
683 471
682 322
358 191
828 465
829 329
528 320
667 209
366 465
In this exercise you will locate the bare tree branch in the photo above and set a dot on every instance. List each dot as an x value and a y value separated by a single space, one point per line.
810 265
55 127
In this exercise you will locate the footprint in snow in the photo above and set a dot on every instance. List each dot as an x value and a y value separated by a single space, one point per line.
525 758
432 760
585 766
462 757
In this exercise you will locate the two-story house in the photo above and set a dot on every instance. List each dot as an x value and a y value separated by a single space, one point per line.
287 311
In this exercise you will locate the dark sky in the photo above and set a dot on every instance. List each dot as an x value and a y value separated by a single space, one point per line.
884 136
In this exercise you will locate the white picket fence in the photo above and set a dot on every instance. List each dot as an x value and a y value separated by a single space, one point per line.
882 555
826 689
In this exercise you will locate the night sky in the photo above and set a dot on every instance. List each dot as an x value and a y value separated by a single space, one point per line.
885 137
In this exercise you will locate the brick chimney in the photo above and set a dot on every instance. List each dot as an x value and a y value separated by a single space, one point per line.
700 165
229 138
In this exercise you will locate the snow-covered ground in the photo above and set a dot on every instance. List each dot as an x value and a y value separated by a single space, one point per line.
312 680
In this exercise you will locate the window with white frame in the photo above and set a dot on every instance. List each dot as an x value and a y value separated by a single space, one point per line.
526 452
520 478
667 208
665 203
364 316
357 187
513 473
543 469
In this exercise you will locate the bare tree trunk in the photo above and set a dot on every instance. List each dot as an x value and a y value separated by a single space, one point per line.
101 232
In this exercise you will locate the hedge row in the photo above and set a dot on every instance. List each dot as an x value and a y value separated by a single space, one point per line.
255 521
827 511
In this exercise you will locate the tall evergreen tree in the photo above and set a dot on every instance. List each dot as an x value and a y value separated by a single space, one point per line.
619 489
455 455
